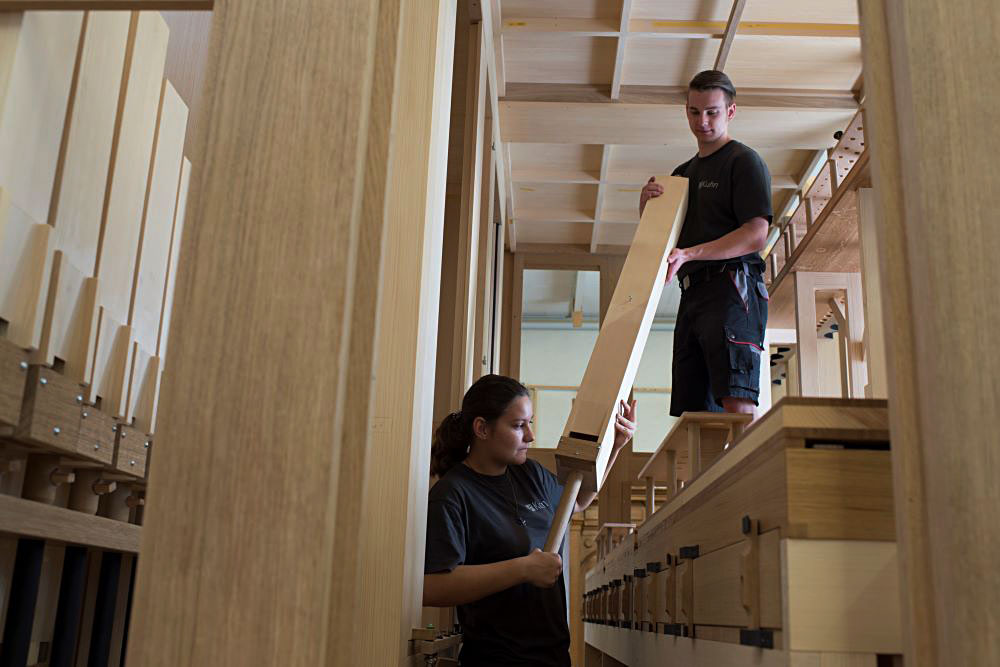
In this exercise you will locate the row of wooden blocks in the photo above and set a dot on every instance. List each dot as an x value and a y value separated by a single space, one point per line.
786 543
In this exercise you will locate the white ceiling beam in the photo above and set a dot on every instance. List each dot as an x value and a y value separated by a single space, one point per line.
616 79
763 98
641 124
672 29
599 204
730 34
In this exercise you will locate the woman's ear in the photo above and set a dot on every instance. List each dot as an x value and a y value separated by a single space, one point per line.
479 428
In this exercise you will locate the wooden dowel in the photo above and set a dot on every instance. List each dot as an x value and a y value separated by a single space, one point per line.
564 512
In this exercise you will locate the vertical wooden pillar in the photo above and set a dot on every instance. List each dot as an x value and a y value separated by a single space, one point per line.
250 541
392 541
937 203
576 585
874 336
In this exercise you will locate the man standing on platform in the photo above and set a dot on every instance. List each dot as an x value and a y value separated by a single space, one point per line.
719 336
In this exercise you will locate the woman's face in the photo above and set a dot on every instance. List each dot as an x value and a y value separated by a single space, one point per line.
506 440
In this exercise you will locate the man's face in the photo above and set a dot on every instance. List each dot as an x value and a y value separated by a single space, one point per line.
709 114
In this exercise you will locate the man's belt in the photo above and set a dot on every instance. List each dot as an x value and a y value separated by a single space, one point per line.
707 273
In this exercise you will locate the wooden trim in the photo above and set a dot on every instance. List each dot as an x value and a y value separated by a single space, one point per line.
767 98
616 78
114 5
673 29
601 190
730 34
28 518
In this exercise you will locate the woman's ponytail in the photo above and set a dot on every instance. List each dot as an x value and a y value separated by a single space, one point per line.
451 444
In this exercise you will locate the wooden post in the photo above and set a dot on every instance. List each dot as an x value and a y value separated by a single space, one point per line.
874 331
254 481
936 280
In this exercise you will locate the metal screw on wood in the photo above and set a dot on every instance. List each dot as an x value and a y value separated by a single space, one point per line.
56 430
43 382
84 414
24 365
131 462
79 398
96 447
114 428
146 445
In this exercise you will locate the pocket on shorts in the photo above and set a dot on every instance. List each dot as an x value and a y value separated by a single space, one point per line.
745 349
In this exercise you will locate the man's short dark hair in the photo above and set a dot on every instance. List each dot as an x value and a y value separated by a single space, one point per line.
713 78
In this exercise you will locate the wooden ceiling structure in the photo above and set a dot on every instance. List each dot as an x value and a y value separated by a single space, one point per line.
590 99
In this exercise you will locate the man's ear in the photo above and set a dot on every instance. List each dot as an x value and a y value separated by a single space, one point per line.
479 428
731 111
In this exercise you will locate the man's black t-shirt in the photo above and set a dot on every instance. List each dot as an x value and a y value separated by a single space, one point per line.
471 520
725 190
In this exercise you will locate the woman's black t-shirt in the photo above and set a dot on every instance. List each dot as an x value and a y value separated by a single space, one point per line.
472 520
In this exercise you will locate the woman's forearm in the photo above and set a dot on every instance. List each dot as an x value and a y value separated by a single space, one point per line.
468 583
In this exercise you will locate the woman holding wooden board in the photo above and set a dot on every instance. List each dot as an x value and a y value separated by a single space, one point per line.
487 519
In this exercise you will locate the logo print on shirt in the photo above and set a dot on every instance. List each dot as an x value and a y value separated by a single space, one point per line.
538 505
708 184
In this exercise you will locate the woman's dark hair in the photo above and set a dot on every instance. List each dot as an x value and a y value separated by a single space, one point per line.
713 78
488 398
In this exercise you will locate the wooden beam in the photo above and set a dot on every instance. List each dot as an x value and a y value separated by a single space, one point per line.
730 34
767 98
595 233
673 29
114 5
28 518
626 123
940 386
299 65
616 79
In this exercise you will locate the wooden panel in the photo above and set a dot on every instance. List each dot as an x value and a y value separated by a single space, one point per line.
666 62
34 110
832 63
154 255
560 8
618 349
297 486
122 223
946 495
545 162
176 236
39 520
402 418
647 648
718 588
834 11
841 596
553 58
555 232
187 56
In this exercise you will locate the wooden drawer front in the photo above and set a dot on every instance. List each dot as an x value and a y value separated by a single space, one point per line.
51 415
13 373
96 440
131 448
718 585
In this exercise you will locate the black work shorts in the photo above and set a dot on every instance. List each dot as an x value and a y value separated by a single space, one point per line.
718 340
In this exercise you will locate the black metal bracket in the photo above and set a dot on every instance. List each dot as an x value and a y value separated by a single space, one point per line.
675 629
688 553
758 638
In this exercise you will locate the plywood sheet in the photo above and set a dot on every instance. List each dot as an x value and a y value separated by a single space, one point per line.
560 8
175 248
25 263
554 232
652 61
831 63
558 58
833 11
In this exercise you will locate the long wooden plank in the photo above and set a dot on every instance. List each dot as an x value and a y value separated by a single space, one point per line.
392 543
121 225
732 26
589 432
297 493
154 254
39 520
133 5
78 201
40 54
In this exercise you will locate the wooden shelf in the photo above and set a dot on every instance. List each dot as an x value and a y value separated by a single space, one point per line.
27 518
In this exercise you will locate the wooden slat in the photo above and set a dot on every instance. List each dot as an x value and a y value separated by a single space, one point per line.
42 521
78 200
39 53
769 98
121 226
599 204
732 26
666 28
616 79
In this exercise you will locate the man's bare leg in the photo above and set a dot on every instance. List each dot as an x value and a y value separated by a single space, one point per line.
739 405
